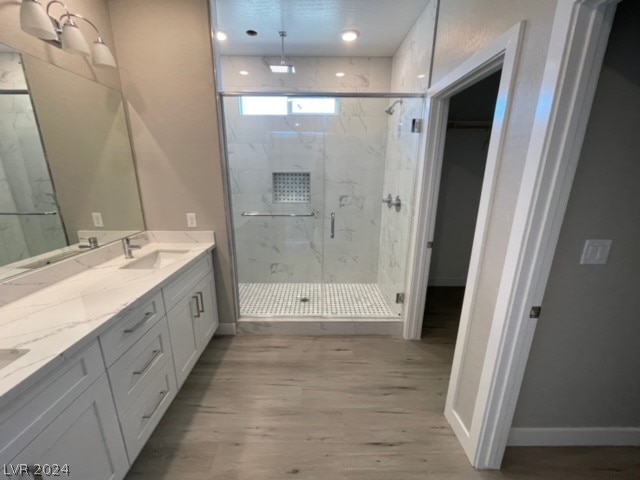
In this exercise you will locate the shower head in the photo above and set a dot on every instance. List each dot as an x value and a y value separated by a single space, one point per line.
283 67
390 110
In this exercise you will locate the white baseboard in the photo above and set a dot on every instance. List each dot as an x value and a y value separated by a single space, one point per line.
566 437
448 282
225 329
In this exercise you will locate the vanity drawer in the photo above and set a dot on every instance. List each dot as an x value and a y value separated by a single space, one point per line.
141 419
182 286
23 419
130 329
136 369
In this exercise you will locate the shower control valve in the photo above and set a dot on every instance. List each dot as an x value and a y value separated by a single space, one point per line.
393 203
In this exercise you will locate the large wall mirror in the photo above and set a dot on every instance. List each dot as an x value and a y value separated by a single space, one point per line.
66 167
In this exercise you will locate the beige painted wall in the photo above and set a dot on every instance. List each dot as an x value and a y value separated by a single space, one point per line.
86 141
94 10
166 68
584 361
465 27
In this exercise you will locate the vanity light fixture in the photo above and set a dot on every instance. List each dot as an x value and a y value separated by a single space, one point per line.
350 35
63 32
221 36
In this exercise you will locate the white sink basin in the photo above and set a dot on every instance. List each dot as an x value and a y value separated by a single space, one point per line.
156 259
8 356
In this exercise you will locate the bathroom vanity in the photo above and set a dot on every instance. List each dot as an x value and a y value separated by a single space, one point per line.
90 364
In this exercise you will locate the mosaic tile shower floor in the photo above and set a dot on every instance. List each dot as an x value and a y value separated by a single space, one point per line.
347 300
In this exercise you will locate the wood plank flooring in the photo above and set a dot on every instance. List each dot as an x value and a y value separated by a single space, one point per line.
266 408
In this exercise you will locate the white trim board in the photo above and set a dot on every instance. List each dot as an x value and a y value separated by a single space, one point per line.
575 437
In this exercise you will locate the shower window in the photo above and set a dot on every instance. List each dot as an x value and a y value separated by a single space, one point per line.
288 106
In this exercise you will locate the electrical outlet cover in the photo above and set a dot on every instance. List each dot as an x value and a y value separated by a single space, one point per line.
595 252
97 219
191 220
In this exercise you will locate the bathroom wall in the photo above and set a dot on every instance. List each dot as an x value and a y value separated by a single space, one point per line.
410 69
25 184
465 27
166 65
582 372
95 10
344 154
316 74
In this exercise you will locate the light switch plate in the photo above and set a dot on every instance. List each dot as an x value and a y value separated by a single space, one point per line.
97 219
191 220
595 252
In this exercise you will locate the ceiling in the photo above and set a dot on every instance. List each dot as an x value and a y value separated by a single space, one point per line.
314 26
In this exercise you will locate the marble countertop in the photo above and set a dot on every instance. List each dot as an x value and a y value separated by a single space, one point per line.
60 319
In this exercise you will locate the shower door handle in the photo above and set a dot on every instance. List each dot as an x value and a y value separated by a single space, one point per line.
333 225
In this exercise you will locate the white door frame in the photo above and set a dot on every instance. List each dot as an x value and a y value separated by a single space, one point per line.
578 41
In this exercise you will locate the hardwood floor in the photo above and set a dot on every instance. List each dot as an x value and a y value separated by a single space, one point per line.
266 408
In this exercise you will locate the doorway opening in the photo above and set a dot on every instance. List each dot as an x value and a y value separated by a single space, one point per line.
464 160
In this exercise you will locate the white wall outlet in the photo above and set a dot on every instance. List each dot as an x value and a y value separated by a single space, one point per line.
191 220
97 219
595 252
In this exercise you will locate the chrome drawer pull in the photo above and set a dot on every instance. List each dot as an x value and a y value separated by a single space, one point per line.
140 323
148 364
199 294
197 306
162 394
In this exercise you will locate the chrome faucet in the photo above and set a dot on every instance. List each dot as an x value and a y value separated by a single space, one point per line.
93 243
127 247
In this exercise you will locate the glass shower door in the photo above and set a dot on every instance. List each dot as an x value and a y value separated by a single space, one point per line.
371 152
276 175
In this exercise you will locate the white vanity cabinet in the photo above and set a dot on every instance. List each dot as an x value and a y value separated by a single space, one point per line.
90 417
84 441
192 314
68 419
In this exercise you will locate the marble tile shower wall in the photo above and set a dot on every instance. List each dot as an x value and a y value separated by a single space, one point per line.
316 74
344 155
410 74
25 184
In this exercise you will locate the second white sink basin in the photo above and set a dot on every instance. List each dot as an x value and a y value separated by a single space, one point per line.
10 355
156 259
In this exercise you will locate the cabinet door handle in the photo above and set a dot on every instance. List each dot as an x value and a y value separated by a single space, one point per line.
199 294
195 297
162 394
140 323
154 355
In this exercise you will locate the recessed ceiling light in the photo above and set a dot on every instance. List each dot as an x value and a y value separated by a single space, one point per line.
422 75
243 72
350 35
221 36
340 74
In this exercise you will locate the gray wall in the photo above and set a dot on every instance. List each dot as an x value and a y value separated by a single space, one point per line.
166 67
465 158
583 370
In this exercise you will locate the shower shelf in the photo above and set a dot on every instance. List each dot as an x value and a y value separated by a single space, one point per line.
258 214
